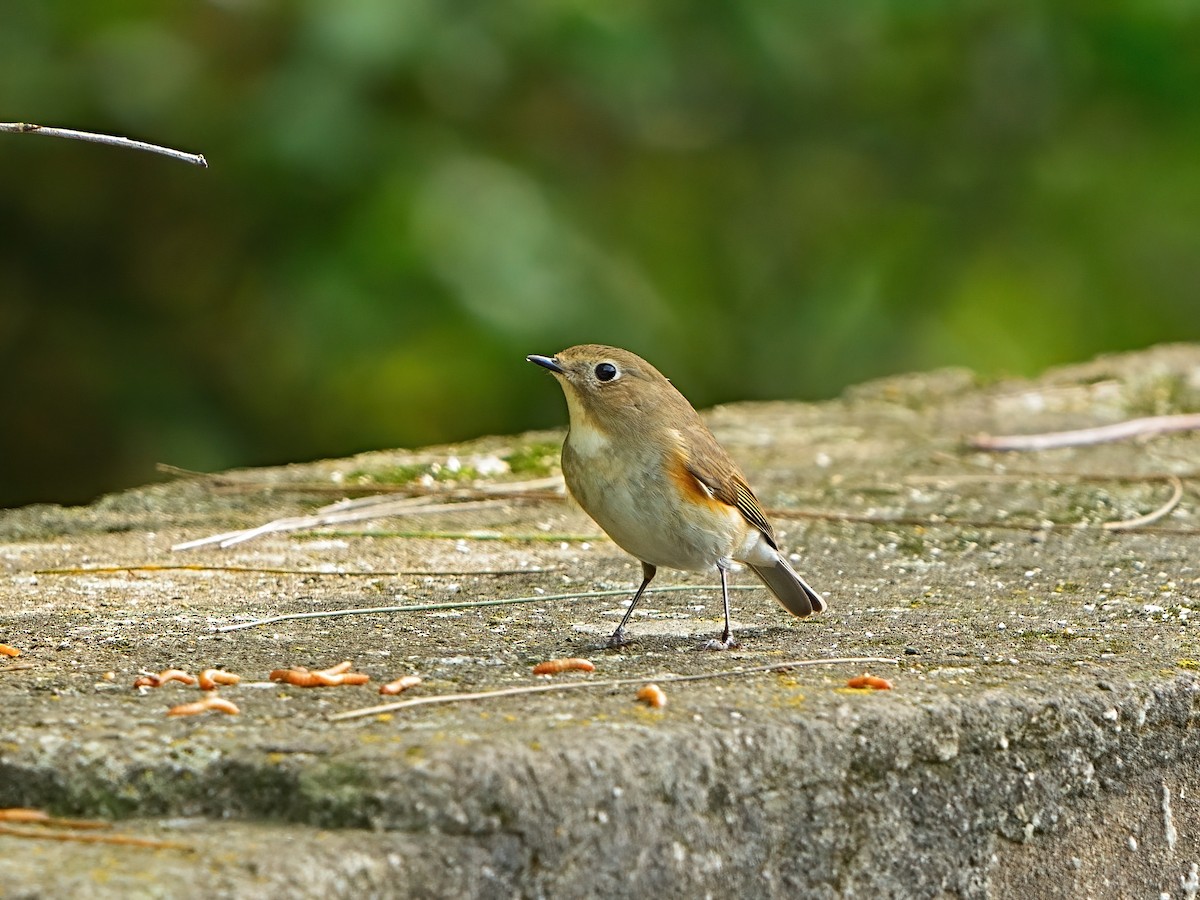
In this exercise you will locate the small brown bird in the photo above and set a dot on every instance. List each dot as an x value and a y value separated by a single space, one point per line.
642 463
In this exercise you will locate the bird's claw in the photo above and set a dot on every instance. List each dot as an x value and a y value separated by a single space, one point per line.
617 640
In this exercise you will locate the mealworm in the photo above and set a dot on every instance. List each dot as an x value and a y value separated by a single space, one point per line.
210 702
652 695
149 679
401 684
210 678
348 678
554 666
331 677
298 676
6 650
870 681
23 814
175 675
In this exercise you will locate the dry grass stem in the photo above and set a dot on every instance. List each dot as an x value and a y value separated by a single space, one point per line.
1151 517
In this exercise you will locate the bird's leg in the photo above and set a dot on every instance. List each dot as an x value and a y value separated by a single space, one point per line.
618 637
726 642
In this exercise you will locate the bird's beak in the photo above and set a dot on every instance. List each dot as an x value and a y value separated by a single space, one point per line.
546 362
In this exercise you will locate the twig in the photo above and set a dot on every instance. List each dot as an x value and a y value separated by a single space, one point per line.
945 522
519 537
1151 517
196 159
1118 431
113 570
126 840
1019 475
616 682
550 487
468 604
411 489
348 511
357 490
383 505
17 667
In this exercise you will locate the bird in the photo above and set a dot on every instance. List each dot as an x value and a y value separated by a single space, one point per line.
641 462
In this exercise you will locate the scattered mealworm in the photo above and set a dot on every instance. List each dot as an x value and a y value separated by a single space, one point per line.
175 675
210 702
652 695
401 684
149 679
298 676
210 678
6 650
23 814
870 681
554 666
324 679
331 677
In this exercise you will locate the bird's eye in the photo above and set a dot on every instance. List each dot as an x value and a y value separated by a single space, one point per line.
606 371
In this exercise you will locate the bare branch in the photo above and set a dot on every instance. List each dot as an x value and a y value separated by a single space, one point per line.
196 159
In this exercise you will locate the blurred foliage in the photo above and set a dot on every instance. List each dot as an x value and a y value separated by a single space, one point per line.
767 199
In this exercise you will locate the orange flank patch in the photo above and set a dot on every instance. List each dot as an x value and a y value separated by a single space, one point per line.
690 487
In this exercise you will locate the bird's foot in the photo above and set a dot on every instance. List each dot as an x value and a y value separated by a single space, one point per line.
619 639
726 642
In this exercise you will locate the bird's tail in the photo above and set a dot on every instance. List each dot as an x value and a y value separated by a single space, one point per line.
792 592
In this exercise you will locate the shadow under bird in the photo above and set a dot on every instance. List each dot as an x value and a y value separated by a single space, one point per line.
642 463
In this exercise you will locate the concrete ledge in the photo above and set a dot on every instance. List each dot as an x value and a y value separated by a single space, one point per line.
1039 741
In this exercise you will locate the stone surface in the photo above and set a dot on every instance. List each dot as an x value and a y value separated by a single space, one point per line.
1039 740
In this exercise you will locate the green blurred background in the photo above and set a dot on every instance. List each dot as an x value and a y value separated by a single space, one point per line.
767 199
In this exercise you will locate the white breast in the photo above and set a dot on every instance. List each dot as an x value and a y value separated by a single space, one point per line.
586 440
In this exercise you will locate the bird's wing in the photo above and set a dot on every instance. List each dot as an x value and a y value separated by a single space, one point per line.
710 465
